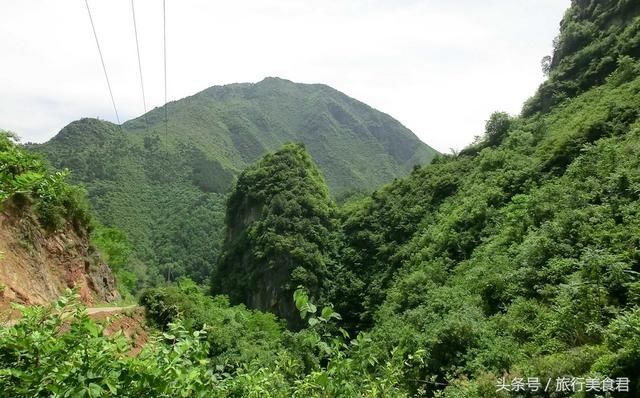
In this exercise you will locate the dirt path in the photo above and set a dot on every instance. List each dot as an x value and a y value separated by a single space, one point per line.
98 310
90 311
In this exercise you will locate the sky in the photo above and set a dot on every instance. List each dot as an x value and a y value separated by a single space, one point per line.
440 67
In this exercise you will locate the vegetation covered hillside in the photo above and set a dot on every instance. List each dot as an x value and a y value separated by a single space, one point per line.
530 263
165 188
520 256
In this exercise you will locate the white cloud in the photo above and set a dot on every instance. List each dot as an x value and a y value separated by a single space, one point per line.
440 67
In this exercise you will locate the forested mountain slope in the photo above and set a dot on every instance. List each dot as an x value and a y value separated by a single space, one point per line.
528 264
520 256
165 189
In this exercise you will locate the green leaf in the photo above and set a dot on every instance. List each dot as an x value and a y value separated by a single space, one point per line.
94 390
309 308
113 389
327 312
300 298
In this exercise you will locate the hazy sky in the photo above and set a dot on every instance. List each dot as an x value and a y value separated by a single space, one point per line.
438 66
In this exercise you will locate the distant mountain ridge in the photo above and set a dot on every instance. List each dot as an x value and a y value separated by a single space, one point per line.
249 119
166 189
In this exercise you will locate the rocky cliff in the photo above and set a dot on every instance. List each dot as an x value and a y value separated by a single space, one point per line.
281 227
37 266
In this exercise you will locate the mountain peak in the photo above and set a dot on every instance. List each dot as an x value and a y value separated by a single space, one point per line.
275 79
87 130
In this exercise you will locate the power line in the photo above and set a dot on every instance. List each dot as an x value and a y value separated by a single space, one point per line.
135 31
166 105
104 68
164 26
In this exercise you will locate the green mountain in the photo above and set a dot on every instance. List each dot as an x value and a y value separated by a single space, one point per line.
165 188
355 146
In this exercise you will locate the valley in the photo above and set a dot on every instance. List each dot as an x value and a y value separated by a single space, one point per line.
285 240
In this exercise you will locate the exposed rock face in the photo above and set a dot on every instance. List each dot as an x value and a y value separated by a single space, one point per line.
36 267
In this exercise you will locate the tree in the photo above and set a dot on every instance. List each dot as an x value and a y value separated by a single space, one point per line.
496 128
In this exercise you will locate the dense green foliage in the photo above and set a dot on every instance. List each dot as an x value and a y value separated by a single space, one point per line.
236 335
117 252
58 351
166 189
281 233
25 182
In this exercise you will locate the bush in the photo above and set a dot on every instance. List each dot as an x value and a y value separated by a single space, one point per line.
24 178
